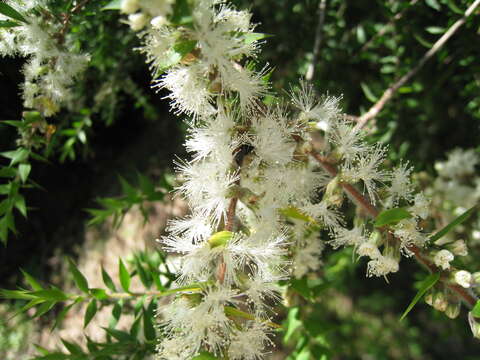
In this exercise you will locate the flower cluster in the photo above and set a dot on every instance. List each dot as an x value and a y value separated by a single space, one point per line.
141 12
257 199
52 61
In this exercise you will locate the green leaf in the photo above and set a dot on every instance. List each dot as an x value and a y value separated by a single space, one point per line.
426 284
220 238
113 5
251 37
107 280
7 10
99 294
435 29
31 281
391 217
368 93
16 156
44 308
90 312
8 172
433 4
24 171
205 356
294 213
476 309
78 277
8 24
50 295
454 223
124 276
119 335
116 314
62 314
148 329
74 349
16 294
20 204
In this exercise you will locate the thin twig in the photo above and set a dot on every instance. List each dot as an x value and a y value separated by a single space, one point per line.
66 20
388 94
469 298
385 28
322 5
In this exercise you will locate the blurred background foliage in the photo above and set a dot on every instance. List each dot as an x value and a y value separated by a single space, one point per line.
117 142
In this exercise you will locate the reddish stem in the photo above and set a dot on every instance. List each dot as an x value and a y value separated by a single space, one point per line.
469 298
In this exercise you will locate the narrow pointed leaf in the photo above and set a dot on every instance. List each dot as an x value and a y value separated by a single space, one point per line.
90 312
7 10
426 284
78 277
124 276
441 233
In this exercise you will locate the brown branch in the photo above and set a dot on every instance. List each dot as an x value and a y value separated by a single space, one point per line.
469 298
318 40
66 20
388 94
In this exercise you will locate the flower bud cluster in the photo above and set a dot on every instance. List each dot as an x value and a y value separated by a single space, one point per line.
52 61
142 12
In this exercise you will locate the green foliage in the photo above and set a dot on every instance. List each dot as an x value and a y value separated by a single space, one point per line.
425 285
117 207
460 219
391 217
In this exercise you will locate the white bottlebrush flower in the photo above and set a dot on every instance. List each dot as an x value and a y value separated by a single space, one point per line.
458 248
367 169
307 258
421 206
382 266
248 84
322 211
443 258
321 110
348 140
459 163
348 237
195 227
401 187
407 231
249 343
206 187
271 140
213 140
188 90
463 278
370 249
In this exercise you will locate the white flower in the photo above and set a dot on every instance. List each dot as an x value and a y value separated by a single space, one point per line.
443 258
348 237
463 278
137 21
129 6
348 140
271 140
249 343
331 218
321 110
367 170
307 259
458 248
370 249
188 87
421 206
382 266
459 163
401 187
